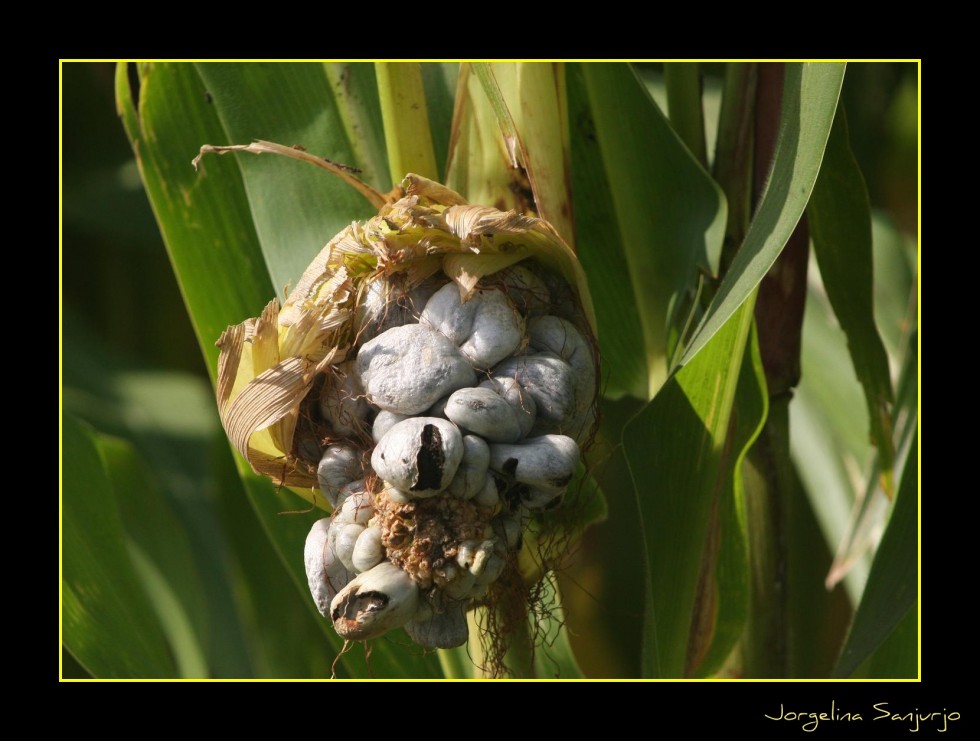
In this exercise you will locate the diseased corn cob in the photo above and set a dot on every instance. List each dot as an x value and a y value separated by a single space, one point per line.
433 375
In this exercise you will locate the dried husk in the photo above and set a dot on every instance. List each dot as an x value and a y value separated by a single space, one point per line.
269 365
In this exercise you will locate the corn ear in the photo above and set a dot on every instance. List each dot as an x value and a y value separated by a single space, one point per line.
269 365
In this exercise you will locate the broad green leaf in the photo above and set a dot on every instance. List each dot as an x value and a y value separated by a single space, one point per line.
829 426
162 555
355 90
528 101
728 606
107 622
481 164
440 96
810 93
817 617
840 225
296 210
406 120
871 508
894 282
675 450
684 106
892 587
898 655
204 217
830 443
601 251
456 662
170 419
70 668
670 213
285 638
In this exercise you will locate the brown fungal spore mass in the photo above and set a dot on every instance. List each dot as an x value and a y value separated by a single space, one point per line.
422 537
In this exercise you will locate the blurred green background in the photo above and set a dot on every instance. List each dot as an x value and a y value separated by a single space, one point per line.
133 372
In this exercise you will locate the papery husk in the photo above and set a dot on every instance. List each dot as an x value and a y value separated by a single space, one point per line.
268 366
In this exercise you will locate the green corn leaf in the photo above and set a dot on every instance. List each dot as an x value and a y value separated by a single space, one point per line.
670 213
684 106
528 102
840 224
675 449
892 588
355 89
167 421
898 655
726 554
108 624
204 218
602 252
296 210
810 93
440 96
162 553
406 120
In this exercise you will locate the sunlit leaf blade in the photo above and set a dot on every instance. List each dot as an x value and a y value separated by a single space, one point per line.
479 163
829 426
674 449
684 106
440 94
810 93
730 566
163 555
406 120
296 209
670 213
894 282
355 91
840 225
528 100
601 251
871 506
204 217
456 662
170 420
108 624
893 581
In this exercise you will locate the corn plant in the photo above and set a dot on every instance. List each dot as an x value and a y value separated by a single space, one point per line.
746 503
